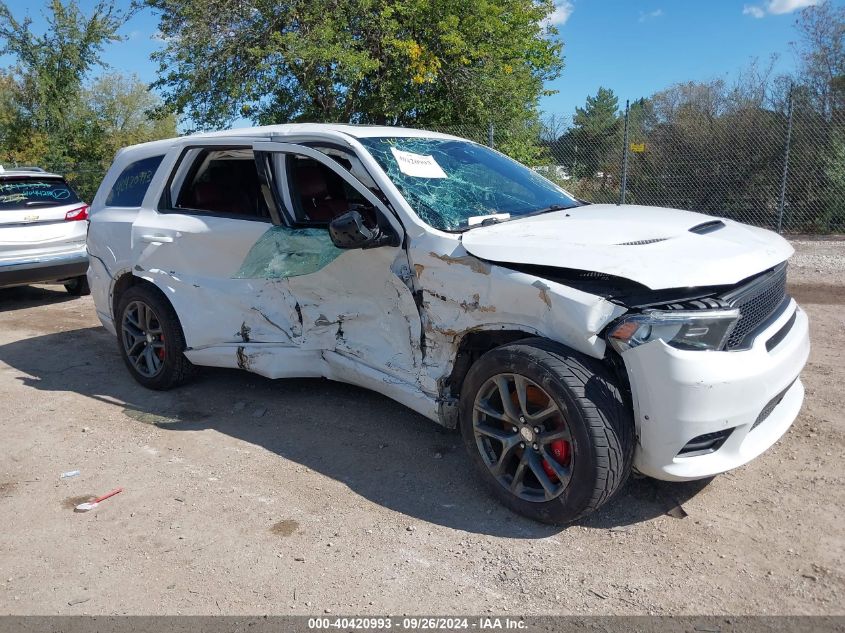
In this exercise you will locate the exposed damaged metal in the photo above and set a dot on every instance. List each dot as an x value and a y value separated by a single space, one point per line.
477 265
243 358
244 332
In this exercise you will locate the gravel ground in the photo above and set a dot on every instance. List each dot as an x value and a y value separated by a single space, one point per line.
250 496
818 261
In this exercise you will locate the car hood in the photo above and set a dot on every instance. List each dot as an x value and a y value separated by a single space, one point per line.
658 248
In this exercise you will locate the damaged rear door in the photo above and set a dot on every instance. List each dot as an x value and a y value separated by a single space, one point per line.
355 304
195 243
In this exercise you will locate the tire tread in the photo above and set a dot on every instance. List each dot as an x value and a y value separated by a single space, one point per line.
605 418
609 426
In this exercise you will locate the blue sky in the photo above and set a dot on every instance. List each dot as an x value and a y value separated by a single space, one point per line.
635 47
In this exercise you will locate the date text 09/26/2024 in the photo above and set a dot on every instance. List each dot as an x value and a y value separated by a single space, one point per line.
416 623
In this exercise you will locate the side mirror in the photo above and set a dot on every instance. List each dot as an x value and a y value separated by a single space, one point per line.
349 231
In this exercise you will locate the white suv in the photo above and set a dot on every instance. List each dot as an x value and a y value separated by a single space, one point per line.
42 231
569 342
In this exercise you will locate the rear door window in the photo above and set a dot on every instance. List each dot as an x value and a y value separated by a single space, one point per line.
27 192
132 184
222 182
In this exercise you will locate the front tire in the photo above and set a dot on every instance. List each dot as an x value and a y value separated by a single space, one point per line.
547 430
151 340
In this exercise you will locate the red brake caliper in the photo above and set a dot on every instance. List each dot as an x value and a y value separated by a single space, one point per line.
160 352
560 451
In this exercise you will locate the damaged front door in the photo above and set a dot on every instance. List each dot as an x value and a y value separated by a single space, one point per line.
355 304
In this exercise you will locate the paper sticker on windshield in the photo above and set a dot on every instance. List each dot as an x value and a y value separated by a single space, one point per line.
417 165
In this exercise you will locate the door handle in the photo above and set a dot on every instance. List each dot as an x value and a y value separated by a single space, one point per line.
157 239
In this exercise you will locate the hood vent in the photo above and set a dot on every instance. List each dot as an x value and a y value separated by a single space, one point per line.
643 242
707 227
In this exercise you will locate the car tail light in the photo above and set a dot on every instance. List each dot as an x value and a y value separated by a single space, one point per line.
75 215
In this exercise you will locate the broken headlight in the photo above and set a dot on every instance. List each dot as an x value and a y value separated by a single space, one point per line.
689 330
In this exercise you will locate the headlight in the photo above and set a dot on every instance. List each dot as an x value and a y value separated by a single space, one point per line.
684 329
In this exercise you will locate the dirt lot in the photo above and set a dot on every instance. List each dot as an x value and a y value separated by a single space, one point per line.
250 496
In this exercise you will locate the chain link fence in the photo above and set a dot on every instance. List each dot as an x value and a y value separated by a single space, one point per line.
780 170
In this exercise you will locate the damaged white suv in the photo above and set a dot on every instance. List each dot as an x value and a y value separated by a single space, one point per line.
570 342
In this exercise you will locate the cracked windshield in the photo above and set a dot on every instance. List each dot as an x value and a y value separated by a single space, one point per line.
455 185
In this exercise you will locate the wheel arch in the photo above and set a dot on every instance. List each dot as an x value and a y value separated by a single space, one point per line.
471 346
129 280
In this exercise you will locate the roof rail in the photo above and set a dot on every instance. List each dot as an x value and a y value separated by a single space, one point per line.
22 168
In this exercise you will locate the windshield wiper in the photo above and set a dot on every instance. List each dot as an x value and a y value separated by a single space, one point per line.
485 220
31 203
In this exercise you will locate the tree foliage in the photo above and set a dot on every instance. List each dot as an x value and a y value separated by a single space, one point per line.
52 66
822 52
53 113
412 62
719 146
595 131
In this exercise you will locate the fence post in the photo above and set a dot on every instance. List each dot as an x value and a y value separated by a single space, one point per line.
782 200
624 158
490 134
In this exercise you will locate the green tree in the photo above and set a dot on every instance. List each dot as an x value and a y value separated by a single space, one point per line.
833 217
595 133
819 129
51 111
412 62
117 114
114 111
52 66
822 51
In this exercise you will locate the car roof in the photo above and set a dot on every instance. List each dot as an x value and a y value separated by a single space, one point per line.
289 129
35 172
356 131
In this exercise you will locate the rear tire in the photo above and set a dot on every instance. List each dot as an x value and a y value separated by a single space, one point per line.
509 438
150 339
78 286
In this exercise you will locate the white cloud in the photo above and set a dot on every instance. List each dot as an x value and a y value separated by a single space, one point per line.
777 7
650 15
563 9
788 6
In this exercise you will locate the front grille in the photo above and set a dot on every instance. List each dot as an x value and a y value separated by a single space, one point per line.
757 301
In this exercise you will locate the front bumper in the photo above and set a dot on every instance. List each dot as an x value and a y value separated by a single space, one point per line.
43 268
681 395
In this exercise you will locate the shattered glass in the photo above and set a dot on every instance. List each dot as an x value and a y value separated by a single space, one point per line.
478 182
284 252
